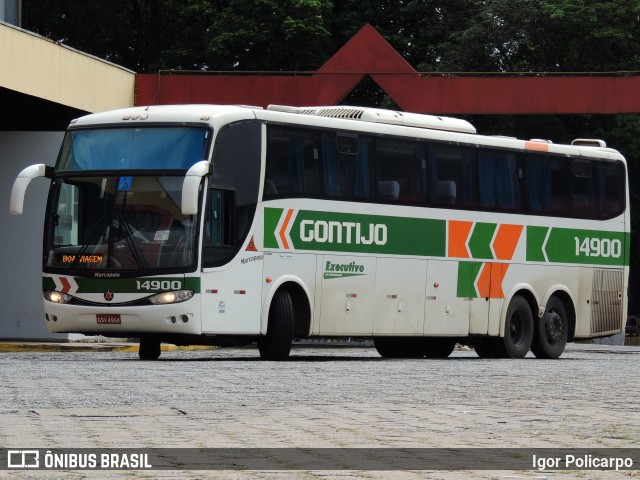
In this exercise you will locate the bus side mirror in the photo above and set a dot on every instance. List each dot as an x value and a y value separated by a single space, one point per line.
191 187
22 182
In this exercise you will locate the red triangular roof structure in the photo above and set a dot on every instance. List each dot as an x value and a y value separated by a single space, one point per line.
368 53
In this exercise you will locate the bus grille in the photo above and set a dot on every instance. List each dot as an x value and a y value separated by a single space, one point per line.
606 301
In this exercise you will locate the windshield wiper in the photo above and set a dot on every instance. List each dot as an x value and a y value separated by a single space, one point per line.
124 225
94 235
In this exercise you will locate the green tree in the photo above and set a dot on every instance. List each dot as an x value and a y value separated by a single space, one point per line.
270 35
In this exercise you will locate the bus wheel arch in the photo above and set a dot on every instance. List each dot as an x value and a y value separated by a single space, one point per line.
554 327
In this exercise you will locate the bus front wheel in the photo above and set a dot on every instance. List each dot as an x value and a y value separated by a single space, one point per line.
551 331
276 344
149 348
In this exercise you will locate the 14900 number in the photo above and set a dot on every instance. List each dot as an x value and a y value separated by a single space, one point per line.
159 285
598 247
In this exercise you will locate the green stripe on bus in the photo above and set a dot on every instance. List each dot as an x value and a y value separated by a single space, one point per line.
345 232
535 242
377 234
129 285
566 245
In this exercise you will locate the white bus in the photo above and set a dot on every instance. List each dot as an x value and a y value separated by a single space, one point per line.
226 225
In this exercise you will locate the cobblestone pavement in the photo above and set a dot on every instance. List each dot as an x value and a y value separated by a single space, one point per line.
322 397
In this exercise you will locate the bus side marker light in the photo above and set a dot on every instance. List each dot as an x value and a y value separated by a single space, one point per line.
269 279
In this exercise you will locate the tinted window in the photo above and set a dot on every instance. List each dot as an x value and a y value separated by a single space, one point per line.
583 190
499 180
231 202
401 169
453 179
149 148
346 175
611 189
293 163
547 184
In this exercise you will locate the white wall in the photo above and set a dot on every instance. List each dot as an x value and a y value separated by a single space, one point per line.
21 304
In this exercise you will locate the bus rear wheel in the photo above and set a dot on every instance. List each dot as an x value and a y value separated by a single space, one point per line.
551 330
518 328
149 348
276 344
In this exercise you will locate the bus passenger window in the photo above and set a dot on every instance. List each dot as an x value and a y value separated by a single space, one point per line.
346 166
401 171
452 176
547 185
582 189
611 189
293 163
499 182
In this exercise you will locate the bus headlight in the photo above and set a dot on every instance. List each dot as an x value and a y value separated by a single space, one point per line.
171 297
56 297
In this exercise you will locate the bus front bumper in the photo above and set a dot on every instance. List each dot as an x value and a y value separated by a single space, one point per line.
180 318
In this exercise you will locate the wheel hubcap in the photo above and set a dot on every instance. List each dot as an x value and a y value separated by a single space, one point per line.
516 330
554 326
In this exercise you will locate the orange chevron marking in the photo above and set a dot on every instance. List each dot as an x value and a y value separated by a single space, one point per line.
458 235
483 283
282 231
506 240
489 283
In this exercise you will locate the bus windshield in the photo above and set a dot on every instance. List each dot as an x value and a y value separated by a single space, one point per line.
119 222
139 148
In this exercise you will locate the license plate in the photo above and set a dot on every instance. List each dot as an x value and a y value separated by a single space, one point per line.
108 318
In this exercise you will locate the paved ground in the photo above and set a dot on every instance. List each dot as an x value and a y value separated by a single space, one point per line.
323 397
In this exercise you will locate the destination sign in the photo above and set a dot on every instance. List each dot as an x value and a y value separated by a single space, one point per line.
79 259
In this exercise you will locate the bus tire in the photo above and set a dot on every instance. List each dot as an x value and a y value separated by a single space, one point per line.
518 328
149 348
276 344
551 330
438 347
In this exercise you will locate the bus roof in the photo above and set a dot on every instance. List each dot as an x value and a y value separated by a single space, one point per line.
361 119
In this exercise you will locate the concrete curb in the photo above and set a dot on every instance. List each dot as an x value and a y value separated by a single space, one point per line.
13 347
